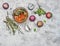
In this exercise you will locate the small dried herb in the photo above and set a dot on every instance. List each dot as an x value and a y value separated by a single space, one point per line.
11 24
44 21
34 29
40 12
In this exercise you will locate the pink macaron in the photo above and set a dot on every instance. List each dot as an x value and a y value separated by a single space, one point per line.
32 18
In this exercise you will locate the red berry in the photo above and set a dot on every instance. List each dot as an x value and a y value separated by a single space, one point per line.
48 15
5 5
32 18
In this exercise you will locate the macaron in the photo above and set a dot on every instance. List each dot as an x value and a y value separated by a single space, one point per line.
5 5
48 15
32 18
39 23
